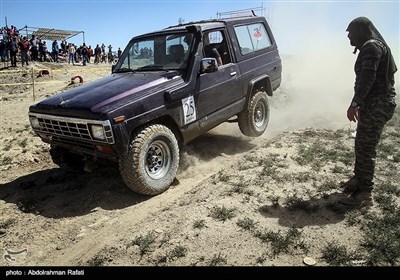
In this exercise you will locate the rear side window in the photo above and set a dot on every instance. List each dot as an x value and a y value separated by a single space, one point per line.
252 37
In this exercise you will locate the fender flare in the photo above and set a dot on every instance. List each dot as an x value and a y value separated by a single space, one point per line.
265 79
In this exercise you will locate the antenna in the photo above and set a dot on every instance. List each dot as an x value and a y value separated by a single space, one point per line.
269 16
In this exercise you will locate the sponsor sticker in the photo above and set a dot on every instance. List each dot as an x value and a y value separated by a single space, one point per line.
257 34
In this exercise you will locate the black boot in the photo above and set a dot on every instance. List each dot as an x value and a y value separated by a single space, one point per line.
350 186
361 197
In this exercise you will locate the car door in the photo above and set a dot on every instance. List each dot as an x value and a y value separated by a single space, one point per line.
215 91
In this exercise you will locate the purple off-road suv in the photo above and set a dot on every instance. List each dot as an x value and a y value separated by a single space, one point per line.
167 88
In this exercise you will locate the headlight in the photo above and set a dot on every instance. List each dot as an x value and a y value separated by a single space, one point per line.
97 132
34 122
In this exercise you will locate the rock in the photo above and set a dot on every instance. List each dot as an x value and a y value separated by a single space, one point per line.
309 261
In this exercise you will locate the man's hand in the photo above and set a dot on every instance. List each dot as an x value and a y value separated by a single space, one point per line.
352 114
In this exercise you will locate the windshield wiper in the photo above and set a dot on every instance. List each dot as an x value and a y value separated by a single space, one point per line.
152 68
123 70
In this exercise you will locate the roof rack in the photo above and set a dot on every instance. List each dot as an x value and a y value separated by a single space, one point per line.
240 13
250 12
195 22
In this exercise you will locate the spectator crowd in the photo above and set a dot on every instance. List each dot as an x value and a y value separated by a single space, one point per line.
16 47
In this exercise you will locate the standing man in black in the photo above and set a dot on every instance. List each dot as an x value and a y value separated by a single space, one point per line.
373 104
13 47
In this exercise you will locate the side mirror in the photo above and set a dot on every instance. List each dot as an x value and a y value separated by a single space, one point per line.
112 68
208 65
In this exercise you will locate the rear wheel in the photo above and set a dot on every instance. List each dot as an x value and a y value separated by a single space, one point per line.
254 119
152 161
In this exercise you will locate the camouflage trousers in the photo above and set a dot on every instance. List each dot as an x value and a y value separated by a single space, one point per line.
372 119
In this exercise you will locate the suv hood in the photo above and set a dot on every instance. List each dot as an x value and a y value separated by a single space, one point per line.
99 93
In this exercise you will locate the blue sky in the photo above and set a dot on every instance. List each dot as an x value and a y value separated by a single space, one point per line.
296 24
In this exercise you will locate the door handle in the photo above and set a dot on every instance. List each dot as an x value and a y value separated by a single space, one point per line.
233 74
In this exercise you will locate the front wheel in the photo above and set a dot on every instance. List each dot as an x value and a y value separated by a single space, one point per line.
152 161
254 119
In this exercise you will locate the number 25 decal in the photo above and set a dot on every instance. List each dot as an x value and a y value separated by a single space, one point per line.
189 109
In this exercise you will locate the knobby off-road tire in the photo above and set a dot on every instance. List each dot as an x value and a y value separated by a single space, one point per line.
152 161
66 160
254 119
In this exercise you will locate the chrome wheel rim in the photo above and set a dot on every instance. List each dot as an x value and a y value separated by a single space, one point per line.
157 160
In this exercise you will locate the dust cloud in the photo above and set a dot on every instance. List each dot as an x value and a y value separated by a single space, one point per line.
316 89
318 63
315 92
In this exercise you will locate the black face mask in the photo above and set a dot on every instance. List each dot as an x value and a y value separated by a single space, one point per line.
362 30
353 42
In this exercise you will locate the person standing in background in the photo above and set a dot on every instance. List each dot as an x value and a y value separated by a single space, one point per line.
84 54
55 50
119 52
97 54
34 48
13 46
24 48
44 52
71 54
90 53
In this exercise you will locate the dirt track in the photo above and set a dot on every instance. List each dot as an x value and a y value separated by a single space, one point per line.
230 192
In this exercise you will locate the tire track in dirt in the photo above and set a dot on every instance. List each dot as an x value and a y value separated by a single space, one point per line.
202 158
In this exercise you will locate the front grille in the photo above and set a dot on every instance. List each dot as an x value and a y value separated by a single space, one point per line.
75 130
72 128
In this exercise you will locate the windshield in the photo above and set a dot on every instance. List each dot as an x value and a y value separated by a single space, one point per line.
157 53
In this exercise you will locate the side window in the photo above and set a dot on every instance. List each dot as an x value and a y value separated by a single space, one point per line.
215 46
183 40
252 37
177 48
